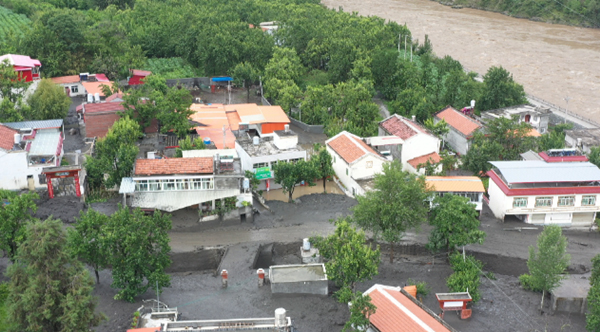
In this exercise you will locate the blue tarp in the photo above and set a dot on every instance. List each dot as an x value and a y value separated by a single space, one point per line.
222 79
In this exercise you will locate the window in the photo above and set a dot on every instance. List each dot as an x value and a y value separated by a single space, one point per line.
370 164
566 200
168 184
346 171
334 159
588 200
181 184
74 89
520 202
203 184
259 165
154 185
293 161
141 185
543 201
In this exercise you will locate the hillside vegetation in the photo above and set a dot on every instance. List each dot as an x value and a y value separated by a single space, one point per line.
585 13
12 25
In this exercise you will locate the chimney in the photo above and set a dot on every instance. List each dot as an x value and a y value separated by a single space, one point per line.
17 140
414 118
287 128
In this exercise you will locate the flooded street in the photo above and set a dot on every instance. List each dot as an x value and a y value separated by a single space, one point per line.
551 61
278 195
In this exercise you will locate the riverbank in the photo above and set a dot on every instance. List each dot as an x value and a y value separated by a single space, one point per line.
539 11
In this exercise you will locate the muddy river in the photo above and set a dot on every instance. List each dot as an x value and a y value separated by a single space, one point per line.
552 61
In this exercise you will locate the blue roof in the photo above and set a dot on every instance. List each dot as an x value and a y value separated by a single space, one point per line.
222 79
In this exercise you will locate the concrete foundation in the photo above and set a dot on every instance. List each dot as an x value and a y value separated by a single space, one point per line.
310 256
571 295
299 279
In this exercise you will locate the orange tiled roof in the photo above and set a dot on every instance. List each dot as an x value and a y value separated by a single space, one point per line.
103 107
455 183
533 133
349 147
65 79
396 312
458 121
118 95
138 72
402 127
7 137
95 87
174 166
433 157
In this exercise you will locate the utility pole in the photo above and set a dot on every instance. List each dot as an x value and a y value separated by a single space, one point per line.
567 98
399 42
405 46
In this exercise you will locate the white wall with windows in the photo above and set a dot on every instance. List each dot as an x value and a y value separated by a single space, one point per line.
561 209
476 198
75 89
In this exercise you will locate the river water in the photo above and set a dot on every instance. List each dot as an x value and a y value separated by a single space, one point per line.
551 61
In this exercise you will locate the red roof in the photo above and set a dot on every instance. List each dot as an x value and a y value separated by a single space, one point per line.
65 79
137 72
102 78
103 107
349 147
433 157
547 191
397 312
7 137
402 127
549 159
174 166
114 96
458 121
21 60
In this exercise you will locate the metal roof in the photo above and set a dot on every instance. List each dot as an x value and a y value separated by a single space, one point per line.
45 143
40 124
531 171
127 186
530 155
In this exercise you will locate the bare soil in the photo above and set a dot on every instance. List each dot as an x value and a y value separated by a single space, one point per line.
198 294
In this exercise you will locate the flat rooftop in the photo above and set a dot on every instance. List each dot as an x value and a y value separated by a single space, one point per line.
589 137
518 109
264 148
295 273
531 171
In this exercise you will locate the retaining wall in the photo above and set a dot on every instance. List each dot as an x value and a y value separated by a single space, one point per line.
315 129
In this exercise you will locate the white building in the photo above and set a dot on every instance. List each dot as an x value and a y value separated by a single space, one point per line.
260 154
26 148
73 84
583 139
353 161
470 187
461 128
416 144
537 117
540 192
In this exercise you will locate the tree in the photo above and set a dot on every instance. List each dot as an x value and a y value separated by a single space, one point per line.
138 247
254 182
554 138
115 154
500 90
14 216
49 289
187 144
350 259
593 315
455 224
86 240
246 74
397 203
49 101
12 89
439 129
289 175
323 164
547 263
466 276
361 309
594 155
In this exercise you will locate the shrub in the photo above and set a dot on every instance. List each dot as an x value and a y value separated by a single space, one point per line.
422 288
466 275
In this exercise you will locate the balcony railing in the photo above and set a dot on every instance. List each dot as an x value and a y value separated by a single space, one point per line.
549 209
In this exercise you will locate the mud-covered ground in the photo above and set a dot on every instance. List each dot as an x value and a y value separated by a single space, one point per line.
198 294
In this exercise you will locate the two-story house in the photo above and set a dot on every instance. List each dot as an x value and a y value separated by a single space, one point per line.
543 193
415 145
461 128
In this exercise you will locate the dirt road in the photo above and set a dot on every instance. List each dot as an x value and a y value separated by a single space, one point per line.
551 61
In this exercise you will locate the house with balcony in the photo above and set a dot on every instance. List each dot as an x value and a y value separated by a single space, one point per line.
27 68
26 150
176 183
470 187
544 193
413 145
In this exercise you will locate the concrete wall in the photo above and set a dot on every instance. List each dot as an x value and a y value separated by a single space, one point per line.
285 142
15 170
301 287
361 169
457 141
418 145
189 83
315 129
80 89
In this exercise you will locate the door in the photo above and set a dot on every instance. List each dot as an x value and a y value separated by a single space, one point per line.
30 183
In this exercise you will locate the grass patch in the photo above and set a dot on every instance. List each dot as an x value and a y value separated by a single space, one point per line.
315 77
172 68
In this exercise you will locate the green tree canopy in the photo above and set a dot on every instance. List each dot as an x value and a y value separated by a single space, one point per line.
49 289
455 223
323 164
86 240
350 259
186 144
245 74
593 314
396 203
466 276
138 246
290 174
500 90
49 101
14 217
548 263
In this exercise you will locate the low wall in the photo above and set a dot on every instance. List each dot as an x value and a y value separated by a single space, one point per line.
202 260
189 83
315 129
